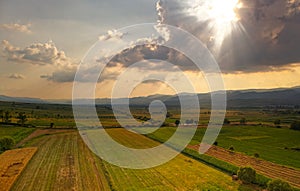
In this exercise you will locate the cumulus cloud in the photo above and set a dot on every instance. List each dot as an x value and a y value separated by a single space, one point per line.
61 76
42 54
16 27
111 34
267 35
37 54
16 76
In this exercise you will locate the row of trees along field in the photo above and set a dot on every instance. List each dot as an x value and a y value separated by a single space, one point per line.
248 175
295 125
6 117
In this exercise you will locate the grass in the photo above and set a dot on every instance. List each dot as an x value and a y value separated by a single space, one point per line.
57 122
17 133
271 144
64 162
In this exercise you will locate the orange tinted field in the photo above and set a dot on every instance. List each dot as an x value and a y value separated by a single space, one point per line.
12 164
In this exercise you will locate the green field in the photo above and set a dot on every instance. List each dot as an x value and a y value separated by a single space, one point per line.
17 133
63 162
272 144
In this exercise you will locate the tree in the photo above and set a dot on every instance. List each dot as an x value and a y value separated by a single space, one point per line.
6 143
177 122
2 115
279 185
247 175
22 118
277 123
226 121
295 125
7 117
243 121
168 115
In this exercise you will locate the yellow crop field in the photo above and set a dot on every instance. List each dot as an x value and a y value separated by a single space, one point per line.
12 164
64 162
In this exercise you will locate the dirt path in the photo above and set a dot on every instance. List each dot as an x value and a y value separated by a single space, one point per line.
266 168
40 132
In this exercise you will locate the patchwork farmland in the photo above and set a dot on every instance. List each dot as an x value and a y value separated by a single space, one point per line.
63 162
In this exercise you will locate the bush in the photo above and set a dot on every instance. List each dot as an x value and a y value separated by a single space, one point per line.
243 121
231 148
226 121
247 175
277 122
279 185
256 155
6 143
295 125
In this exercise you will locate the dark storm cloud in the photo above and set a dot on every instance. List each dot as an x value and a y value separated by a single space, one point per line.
153 52
266 37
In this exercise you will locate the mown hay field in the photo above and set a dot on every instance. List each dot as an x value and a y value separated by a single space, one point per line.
11 165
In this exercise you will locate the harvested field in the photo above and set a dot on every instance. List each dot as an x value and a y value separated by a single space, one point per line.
63 162
12 164
41 132
266 168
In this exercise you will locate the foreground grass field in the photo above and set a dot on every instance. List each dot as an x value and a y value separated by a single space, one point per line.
17 133
272 144
63 162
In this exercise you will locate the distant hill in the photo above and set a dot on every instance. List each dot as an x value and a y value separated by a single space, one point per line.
236 98
21 99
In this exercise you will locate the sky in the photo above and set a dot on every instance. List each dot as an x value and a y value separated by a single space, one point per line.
255 43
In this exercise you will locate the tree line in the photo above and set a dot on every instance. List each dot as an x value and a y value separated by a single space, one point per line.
6 117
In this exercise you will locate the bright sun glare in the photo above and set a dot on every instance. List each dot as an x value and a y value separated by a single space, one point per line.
223 10
221 15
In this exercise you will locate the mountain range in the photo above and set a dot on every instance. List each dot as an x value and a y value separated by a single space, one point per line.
235 98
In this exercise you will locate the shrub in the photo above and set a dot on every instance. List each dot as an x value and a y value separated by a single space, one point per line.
231 148
177 122
277 122
295 125
226 121
262 181
279 185
247 175
256 155
243 121
6 143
